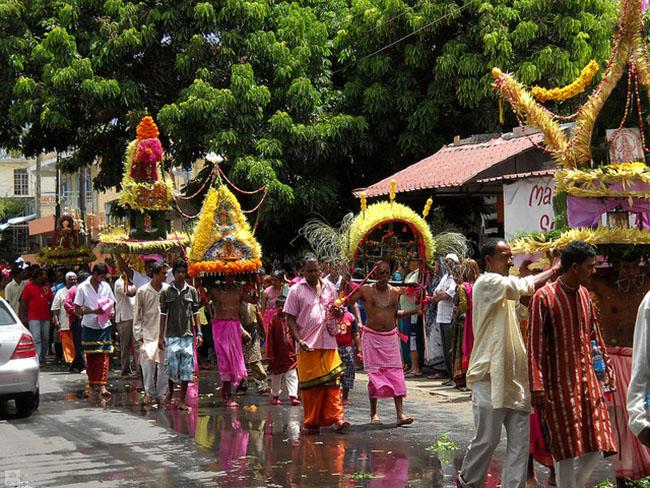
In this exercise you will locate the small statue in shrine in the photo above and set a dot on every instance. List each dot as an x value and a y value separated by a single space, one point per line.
67 236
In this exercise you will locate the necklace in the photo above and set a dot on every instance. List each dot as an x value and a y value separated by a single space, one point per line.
382 302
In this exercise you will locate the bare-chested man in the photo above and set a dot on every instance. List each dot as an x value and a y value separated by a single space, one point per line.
227 334
382 360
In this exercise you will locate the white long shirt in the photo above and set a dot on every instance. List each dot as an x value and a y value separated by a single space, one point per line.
123 303
57 307
499 353
146 321
86 296
639 387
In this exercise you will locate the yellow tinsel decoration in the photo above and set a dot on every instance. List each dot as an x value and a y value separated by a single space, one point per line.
572 89
601 235
576 152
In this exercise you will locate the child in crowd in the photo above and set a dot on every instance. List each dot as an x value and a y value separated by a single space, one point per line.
250 321
270 295
346 339
281 355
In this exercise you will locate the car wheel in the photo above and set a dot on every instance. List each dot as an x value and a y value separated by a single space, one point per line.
27 403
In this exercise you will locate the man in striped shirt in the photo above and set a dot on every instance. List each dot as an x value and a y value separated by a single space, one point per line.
563 383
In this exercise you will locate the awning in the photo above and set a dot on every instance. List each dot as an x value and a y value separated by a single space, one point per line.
17 220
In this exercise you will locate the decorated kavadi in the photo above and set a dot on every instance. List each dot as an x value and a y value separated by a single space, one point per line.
67 248
147 194
602 197
222 242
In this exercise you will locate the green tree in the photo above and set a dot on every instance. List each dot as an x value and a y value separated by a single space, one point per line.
247 79
418 91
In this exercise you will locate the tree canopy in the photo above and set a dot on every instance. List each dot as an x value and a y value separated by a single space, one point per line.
312 97
419 71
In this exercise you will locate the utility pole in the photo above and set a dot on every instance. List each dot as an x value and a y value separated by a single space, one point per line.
38 185
57 195
38 194
82 199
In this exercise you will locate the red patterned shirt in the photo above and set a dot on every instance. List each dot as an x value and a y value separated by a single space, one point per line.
562 324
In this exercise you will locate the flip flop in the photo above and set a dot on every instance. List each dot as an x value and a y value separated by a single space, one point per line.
342 426
376 422
406 421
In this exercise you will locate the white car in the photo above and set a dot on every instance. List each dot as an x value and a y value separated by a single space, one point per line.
19 365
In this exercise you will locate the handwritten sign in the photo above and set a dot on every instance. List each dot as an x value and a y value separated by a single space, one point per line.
528 206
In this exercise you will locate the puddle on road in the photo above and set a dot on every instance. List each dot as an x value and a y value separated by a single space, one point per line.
264 446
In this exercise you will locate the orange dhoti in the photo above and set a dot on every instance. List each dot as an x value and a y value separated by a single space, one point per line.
319 373
67 343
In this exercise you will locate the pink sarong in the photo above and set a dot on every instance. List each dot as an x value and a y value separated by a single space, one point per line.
382 361
226 335
633 458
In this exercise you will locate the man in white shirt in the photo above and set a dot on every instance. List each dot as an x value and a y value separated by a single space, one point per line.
61 318
93 301
638 392
444 295
14 288
124 302
146 334
498 369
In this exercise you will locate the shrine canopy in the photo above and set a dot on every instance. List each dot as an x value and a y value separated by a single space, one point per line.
391 232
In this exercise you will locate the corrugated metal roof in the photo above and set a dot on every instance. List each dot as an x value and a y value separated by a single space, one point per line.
453 166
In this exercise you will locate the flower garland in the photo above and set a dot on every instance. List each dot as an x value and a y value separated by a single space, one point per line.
156 195
58 256
534 244
572 89
381 212
225 267
117 240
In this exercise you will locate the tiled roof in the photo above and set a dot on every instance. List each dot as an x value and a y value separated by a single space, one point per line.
453 166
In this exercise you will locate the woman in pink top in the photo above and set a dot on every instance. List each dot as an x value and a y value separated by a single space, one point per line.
269 297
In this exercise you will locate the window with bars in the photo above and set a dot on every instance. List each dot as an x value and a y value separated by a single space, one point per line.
20 237
21 182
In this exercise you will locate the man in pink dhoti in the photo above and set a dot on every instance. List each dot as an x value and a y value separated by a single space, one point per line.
382 359
227 335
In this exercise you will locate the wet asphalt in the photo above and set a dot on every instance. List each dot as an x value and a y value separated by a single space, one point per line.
73 441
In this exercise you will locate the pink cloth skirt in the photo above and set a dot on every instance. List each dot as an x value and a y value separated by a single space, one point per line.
382 362
226 335
633 458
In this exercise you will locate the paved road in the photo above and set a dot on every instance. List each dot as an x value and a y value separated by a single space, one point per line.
71 442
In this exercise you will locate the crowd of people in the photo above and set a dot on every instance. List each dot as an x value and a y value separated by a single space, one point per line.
304 337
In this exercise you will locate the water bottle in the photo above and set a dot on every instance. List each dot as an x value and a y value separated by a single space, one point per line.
598 360
599 366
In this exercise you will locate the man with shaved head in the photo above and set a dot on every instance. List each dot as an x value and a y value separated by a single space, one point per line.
382 360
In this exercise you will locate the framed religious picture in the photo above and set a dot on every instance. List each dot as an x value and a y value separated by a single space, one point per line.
625 145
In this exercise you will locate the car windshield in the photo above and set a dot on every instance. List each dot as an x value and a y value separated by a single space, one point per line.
5 315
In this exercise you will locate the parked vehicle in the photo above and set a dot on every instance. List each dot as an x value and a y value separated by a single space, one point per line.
19 366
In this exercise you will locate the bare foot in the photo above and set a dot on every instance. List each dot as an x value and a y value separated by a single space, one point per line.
404 421
183 407
341 426
375 420
168 398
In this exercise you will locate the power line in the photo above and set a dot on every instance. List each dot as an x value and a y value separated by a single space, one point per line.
407 36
